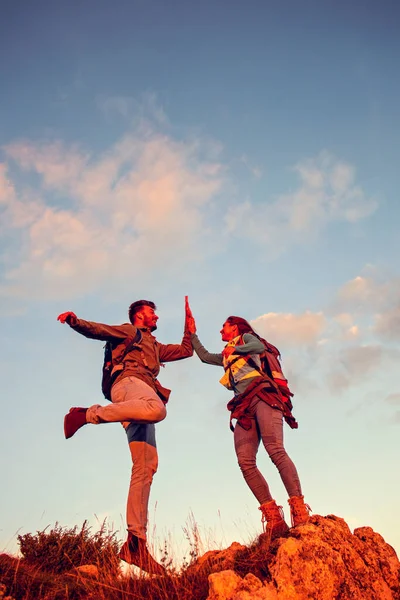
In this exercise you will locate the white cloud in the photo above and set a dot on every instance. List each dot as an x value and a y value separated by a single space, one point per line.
346 365
393 399
141 203
17 212
84 218
358 361
369 292
327 192
387 325
376 297
60 167
288 329
348 330
7 192
329 350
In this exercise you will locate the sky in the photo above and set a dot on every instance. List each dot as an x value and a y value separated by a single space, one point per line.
245 154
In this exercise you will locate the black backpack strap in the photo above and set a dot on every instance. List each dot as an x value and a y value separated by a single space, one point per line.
132 342
129 342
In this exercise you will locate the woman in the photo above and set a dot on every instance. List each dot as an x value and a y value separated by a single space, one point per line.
259 406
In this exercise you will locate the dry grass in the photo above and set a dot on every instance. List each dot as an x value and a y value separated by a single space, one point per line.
48 568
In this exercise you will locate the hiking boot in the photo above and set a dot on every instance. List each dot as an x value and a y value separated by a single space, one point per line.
299 511
74 420
273 519
134 552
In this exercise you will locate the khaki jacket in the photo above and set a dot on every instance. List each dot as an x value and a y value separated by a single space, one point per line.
151 350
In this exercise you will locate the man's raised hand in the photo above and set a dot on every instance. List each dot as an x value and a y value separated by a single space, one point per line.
190 323
67 317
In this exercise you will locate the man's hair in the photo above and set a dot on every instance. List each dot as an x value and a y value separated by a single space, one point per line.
242 325
136 306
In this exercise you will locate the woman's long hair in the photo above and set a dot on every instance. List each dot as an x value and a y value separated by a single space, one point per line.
242 325
245 327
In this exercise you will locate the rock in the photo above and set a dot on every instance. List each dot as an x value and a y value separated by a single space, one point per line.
223 585
324 560
321 560
88 570
218 560
227 585
378 555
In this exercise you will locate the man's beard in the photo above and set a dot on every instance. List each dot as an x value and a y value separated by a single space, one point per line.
153 327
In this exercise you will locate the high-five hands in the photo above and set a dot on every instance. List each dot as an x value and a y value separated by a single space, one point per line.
190 323
67 317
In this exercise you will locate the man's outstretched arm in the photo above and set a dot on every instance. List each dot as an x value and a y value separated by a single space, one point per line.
171 352
206 357
97 331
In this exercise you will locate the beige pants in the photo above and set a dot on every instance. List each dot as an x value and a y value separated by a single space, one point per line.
132 400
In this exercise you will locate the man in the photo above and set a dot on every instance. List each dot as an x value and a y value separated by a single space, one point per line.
138 402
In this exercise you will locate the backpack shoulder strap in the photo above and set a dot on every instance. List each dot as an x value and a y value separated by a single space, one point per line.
129 343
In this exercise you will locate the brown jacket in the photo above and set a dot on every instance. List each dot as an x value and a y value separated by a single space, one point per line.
154 353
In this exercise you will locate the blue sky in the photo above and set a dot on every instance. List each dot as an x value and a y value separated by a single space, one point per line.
246 154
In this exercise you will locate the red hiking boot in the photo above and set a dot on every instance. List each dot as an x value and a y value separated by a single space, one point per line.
272 515
300 512
74 420
134 552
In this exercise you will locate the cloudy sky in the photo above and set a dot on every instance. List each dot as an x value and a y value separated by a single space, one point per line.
245 154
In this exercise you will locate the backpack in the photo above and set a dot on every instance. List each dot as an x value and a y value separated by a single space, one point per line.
271 367
270 364
112 366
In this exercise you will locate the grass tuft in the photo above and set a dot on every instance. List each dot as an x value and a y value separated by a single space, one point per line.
48 569
60 549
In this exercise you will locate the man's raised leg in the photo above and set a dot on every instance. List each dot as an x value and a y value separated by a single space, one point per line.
132 400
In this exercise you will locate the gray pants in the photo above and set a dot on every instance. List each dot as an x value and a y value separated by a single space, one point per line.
268 427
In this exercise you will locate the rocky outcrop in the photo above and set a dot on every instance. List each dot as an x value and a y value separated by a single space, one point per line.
321 560
218 560
227 585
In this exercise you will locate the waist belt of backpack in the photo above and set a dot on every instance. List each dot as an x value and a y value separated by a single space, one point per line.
270 379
